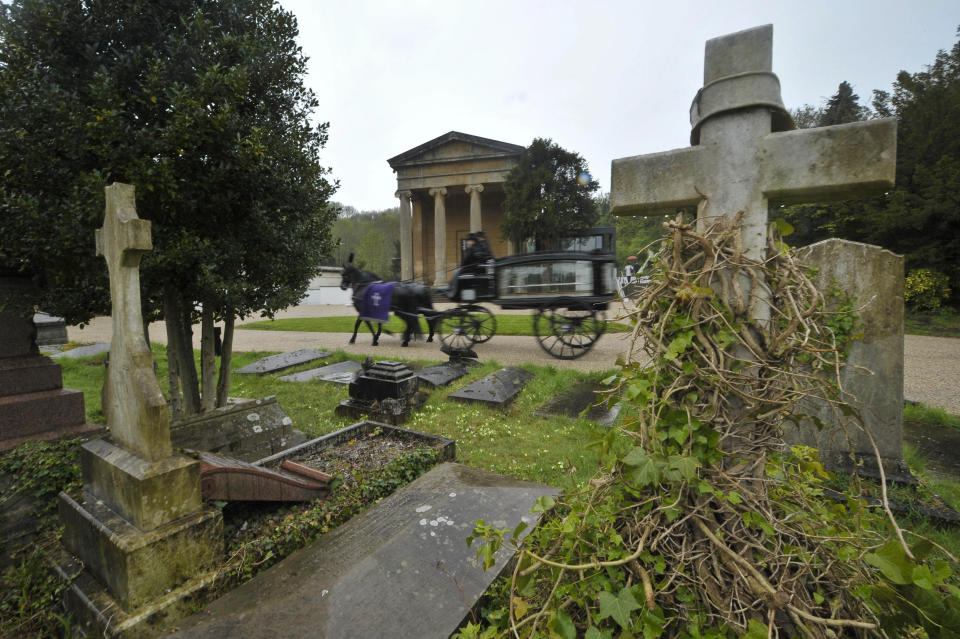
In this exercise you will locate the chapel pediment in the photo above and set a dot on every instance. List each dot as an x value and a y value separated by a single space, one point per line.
454 147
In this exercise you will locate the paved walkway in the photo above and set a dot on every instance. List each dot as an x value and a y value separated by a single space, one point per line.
931 364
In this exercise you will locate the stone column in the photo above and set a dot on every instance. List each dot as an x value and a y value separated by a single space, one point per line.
474 191
439 236
406 236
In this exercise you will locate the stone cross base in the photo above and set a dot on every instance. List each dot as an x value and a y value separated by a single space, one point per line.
161 575
136 566
146 494
140 529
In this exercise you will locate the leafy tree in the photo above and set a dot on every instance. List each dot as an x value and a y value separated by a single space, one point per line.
370 235
920 216
548 195
201 105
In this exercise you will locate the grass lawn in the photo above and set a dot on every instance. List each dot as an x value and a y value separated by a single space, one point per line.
942 324
506 325
510 441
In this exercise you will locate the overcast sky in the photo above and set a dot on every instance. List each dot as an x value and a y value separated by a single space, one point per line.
606 79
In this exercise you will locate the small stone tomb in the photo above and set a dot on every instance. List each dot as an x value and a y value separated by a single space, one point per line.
399 569
383 390
339 373
498 388
51 331
581 400
442 374
247 430
872 376
281 362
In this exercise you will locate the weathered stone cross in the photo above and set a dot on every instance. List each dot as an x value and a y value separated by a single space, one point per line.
133 403
744 157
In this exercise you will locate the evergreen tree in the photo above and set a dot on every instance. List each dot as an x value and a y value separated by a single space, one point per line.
548 195
201 105
843 107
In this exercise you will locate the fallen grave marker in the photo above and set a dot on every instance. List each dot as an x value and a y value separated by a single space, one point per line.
339 373
281 362
498 388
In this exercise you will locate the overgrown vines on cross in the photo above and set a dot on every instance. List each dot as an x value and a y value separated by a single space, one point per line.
698 522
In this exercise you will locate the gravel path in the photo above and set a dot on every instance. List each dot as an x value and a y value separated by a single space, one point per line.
931 364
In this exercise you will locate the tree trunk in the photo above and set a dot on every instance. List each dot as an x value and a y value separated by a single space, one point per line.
226 353
180 335
173 377
208 362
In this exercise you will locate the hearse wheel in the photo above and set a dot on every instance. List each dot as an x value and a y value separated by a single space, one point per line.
464 326
568 328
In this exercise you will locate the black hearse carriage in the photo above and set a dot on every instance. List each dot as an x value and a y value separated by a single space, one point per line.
568 289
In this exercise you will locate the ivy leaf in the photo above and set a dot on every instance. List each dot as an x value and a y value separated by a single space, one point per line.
619 607
755 630
562 624
543 504
892 562
520 608
593 633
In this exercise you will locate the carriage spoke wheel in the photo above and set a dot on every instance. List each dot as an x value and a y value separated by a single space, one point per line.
568 329
464 326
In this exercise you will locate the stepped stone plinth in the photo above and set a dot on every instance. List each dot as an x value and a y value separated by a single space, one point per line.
33 402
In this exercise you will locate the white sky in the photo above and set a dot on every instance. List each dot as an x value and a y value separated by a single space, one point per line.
606 79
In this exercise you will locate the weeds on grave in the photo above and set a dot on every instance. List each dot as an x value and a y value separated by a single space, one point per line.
696 524
254 548
30 591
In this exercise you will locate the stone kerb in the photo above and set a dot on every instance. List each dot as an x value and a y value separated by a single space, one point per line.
872 375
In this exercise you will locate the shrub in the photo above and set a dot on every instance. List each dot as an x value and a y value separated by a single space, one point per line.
926 289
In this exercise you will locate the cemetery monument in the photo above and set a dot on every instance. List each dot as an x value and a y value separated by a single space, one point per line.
140 528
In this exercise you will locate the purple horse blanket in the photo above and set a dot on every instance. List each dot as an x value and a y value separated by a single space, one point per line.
375 306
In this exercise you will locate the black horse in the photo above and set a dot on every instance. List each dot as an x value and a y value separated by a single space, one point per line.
410 300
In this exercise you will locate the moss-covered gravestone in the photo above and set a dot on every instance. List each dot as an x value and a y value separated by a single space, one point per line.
140 527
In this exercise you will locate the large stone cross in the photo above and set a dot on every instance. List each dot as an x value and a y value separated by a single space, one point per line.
744 157
133 403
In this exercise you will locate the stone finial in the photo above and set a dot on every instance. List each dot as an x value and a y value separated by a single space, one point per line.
134 405
737 74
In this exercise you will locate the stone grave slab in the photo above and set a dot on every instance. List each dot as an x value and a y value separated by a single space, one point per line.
84 351
442 374
283 361
573 401
339 373
498 388
392 571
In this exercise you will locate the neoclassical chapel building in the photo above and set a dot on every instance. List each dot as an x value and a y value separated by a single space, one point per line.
449 187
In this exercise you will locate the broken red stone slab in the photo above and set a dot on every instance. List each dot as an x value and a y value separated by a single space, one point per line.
226 479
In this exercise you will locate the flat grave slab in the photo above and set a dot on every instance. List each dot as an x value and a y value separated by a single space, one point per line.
392 571
575 400
83 351
442 374
498 388
283 361
339 373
